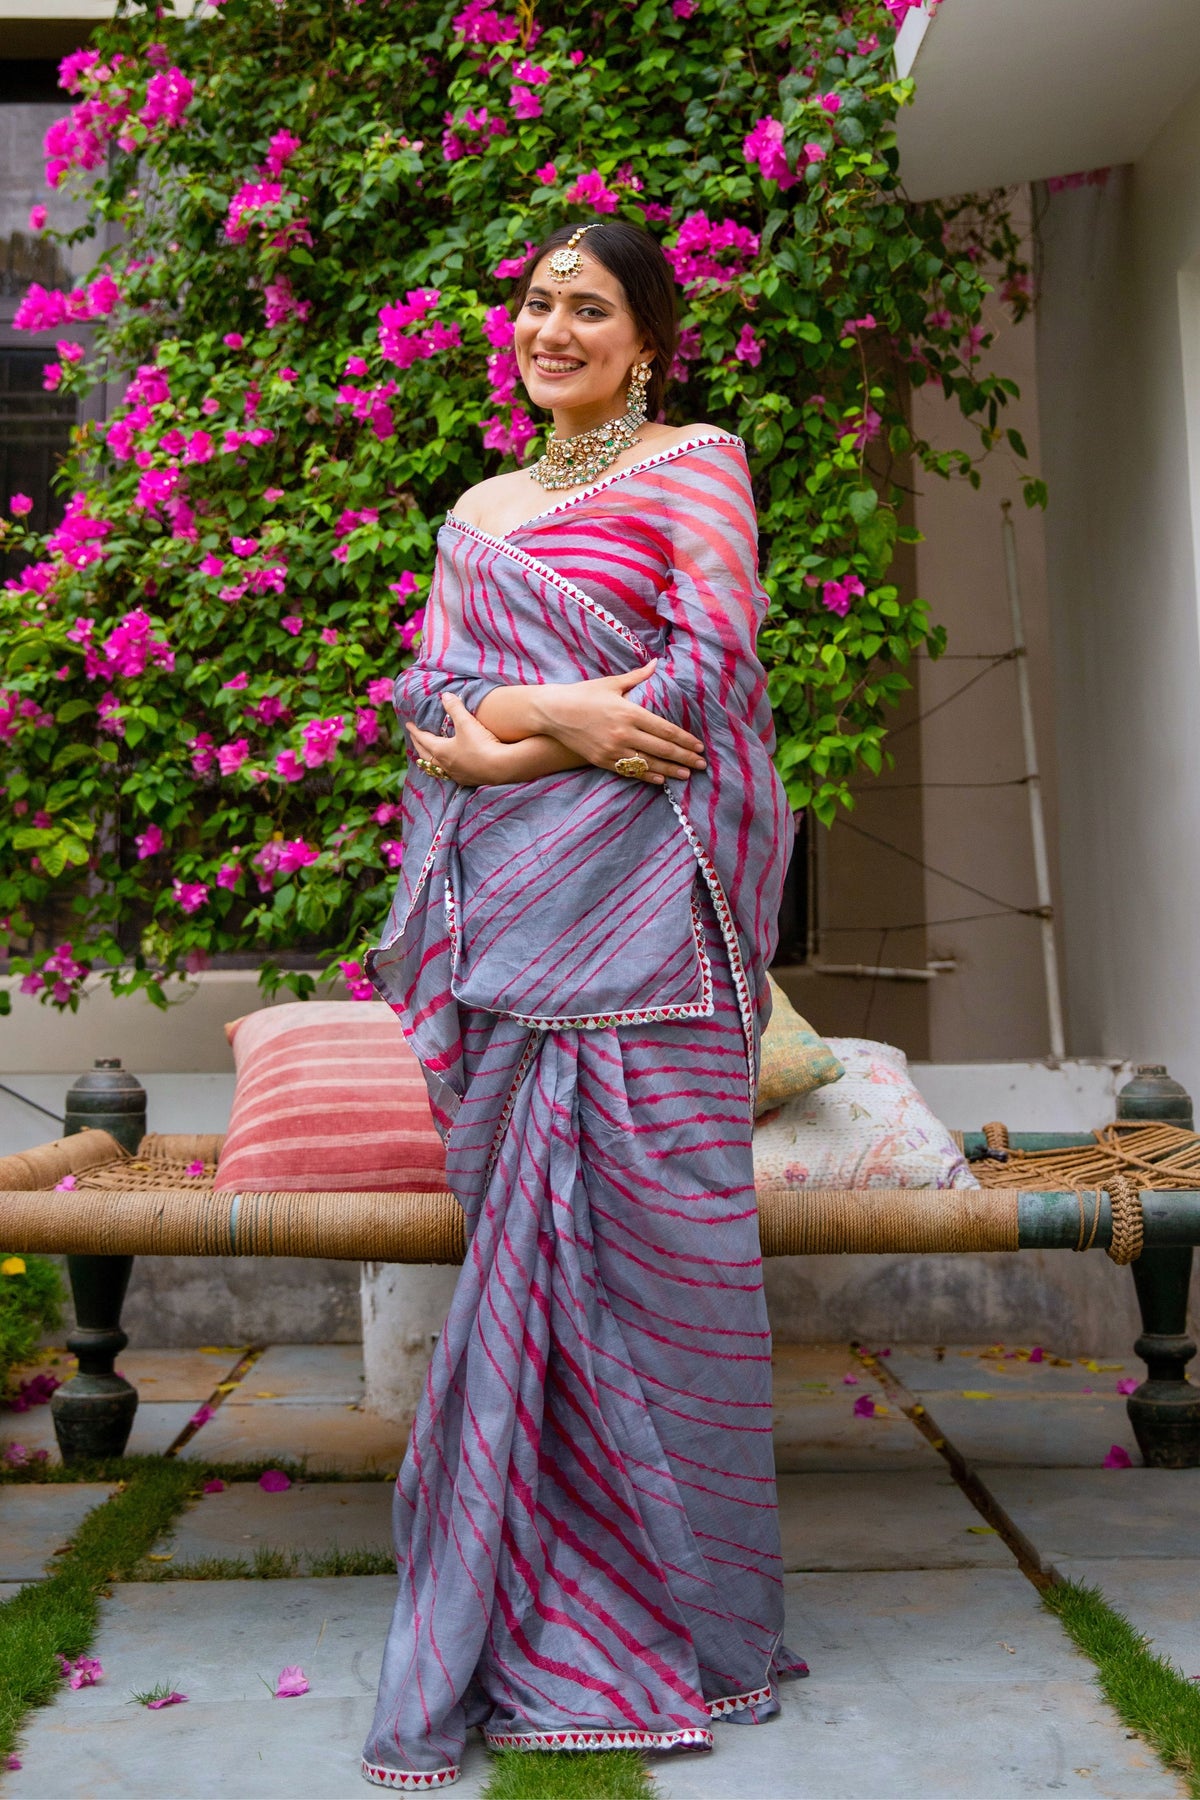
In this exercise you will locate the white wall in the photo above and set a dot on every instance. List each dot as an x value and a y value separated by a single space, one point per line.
1122 536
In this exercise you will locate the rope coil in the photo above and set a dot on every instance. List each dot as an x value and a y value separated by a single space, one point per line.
1128 1220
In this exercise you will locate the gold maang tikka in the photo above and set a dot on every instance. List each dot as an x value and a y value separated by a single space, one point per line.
569 462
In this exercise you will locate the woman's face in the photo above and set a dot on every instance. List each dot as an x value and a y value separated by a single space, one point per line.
576 342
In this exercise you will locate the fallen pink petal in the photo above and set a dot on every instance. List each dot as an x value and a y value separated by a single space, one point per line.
86 1671
1037 1354
202 1415
171 1699
1129 1385
14 1762
864 1407
1117 1458
273 1481
215 1486
850 1380
292 1682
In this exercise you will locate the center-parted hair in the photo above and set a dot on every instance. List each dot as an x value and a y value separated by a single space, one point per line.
636 259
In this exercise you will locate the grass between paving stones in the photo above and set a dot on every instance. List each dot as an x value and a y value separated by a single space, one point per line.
1149 1695
568 1775
57 1616
270 1565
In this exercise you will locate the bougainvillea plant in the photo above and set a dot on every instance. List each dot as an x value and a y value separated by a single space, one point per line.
318 210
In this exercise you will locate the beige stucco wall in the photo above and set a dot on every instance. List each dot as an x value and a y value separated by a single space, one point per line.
1122 560
994 1005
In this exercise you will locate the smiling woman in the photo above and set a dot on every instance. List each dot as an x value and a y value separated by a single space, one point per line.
594 845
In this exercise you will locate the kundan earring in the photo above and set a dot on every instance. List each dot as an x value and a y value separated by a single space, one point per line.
639 377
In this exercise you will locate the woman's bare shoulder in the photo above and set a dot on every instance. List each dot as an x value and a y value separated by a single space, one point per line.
488 497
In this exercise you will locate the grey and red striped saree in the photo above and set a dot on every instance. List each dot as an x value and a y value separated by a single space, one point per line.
586 1524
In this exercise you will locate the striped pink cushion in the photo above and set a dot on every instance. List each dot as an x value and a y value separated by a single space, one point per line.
328 1095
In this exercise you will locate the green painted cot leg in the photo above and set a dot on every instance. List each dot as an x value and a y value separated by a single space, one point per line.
93 1412
1165 1410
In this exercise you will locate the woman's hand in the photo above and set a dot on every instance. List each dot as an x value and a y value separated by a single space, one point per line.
596 721
475 757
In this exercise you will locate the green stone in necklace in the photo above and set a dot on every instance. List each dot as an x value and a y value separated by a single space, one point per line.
573 461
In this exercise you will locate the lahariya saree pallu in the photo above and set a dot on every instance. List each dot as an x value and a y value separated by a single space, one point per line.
586 1526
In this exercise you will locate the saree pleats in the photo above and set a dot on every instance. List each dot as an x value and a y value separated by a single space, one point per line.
586 1516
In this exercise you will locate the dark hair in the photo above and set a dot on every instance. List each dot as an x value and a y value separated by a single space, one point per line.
636 259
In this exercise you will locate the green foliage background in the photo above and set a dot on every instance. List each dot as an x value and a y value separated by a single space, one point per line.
365 88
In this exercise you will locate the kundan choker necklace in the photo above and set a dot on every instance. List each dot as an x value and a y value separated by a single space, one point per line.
571 461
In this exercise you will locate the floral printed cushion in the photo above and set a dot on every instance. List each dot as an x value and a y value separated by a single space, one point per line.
872 1130
794 1059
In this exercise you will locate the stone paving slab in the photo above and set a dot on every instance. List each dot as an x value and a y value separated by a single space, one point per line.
311 1373
214 1640
1058 1432
1102 1513
190 1375
37 1519
329 1435
1158 1596
906 1519
342 1515
156 1425
912 1692
815 1424
923 1371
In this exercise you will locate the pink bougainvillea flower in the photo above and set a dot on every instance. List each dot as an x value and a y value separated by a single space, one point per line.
360 988
830 103
406 585
814 153
591 190
547 174
233 339
236 681
836 595
171 1699
525 103
149 842
66 1185
190 895
392 852
511 265
291 1683
293 623
274 1481
202 1415
1129 1385
86 1671
764 146
214 1485
1117 1458
864 1407
19 505
868 322
227 875
379 690
320 740
748 349
37 218
13 1762
231 756
288 764
243 546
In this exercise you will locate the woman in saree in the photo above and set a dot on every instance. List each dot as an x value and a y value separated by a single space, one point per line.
594 843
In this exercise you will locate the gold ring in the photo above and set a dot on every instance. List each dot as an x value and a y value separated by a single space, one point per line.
428 767
632 765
